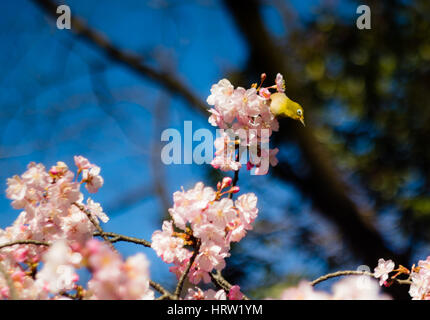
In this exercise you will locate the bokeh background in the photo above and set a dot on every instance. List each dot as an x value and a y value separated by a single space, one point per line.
351 187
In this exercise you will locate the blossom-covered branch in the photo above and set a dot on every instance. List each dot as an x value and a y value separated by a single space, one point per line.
28 241
54 235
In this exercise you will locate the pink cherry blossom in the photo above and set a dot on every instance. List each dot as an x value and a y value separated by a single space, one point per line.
280 83
236 230
16 191
383 269
220 92
211 256
247 208
65 191
222 212
420 287
195 275
96 210
92 178
210 232
114 279
36 176
265 93
58 272
82 163
210 294
245 111
50 213
188 206
234 293
167 246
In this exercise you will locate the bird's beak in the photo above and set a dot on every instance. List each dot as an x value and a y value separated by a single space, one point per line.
302 120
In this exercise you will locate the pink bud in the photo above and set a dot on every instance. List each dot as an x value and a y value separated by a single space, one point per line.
265 93
4 292
54 171
249 165
226 182
75 278
235 189
234 293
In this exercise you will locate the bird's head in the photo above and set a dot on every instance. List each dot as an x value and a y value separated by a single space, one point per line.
299 113
281 105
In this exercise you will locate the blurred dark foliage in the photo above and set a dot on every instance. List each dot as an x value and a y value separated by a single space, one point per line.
365 99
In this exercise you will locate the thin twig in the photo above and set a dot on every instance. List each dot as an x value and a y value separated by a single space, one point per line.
234 182
115 237
181 281
222 283
165 293
28 241
406 281
169 81
95 223
339 274
352 273
164 297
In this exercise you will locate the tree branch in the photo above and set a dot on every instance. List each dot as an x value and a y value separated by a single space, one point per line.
95 223
352 273
132 61
234 182
180 284
220 282
115 237
165 293
29 241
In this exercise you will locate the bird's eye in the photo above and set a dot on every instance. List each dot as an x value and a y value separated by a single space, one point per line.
299 112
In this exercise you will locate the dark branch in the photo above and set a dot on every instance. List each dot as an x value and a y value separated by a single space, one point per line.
221 283
352 273
29 241
115 237
132 61
184 275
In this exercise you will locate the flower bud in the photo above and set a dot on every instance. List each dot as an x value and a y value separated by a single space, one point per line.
226 182
235 189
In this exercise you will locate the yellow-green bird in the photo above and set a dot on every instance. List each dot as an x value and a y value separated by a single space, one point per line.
281 105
